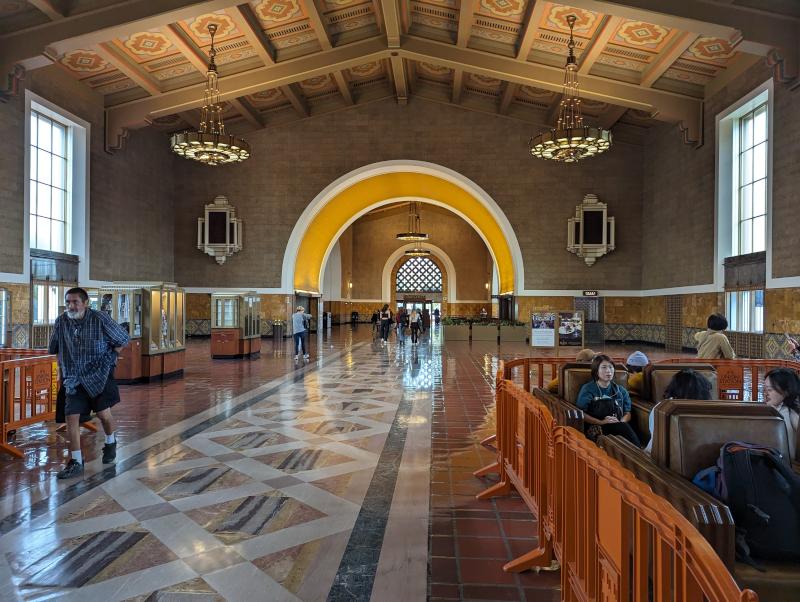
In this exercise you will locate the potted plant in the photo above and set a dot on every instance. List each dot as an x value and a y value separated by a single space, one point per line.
514 330
455 329
484 330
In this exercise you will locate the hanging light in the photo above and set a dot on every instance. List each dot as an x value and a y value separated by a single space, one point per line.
210 144
418 252
570 140
413 225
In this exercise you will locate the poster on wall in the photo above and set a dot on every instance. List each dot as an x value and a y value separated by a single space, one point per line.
570 329
543 329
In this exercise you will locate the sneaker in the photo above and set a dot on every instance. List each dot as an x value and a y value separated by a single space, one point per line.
109 452
306 356
72 469
296 357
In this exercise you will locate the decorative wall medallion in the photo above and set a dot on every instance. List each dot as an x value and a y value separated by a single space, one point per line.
84 61
224 25
557 19
434 71
314 84
711 49
219 233
537 93
503 8
278 10
147 43
591 233
639 33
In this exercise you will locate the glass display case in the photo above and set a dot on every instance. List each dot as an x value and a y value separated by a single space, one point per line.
123 304
164 311
235 324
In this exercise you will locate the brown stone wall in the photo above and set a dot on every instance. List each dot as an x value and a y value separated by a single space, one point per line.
782 313
468 310
679 188
696 308
292 163
198 306
622 310
274 307
374 241
653 310
527 305
130 192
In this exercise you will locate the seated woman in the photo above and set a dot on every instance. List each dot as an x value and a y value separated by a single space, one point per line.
782 392
686 384
713 344
606 406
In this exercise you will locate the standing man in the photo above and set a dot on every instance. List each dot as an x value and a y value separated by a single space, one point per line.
87 343
300 331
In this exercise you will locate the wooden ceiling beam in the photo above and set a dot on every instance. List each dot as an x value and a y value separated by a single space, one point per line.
249 113
376 8
197 58
399 78
115 58
315 16
507 97
458 83
466 15
344 87
598 43
530 26
296 97
49 8
391 21
666 59
613 114
247 22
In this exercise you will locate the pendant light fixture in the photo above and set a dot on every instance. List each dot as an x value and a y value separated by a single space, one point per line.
413 233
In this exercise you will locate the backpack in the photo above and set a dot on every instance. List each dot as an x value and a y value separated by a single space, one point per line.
763 493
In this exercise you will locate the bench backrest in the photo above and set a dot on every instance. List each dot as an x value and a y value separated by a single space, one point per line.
689 433
574 376
658 376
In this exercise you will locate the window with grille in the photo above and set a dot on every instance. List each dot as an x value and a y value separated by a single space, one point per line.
50 200
419 275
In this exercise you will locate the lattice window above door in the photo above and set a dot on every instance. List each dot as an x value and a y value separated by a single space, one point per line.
419 275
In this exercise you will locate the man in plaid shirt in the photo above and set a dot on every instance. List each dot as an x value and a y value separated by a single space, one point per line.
87 342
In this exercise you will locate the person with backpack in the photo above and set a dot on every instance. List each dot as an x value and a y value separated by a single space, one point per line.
385 318
606 406
782 392
300 322
402 324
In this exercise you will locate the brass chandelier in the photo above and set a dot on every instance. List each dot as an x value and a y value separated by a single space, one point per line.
418 252
413 225
570 140
210 144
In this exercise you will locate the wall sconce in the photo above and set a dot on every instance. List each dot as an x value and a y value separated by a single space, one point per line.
487 286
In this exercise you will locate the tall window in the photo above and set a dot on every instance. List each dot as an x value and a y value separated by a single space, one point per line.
745 310
751 179
419 275
50 198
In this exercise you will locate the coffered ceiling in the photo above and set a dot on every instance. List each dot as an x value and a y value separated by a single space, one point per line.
640 61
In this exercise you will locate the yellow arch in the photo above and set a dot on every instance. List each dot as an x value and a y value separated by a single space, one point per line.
338 211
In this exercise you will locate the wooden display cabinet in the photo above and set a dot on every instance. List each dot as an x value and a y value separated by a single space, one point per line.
124 305
235 325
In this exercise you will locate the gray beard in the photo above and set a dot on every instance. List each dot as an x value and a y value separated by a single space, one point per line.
76 315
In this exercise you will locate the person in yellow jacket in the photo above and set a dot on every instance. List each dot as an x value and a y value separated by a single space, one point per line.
713 344
635 364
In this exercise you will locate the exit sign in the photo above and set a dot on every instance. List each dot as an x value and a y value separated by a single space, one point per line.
589 293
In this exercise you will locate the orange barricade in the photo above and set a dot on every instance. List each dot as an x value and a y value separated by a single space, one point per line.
613 537
28 390
739 379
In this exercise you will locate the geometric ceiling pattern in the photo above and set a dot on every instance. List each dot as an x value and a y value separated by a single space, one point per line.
281 60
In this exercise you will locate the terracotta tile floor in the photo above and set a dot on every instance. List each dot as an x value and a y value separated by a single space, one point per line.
469 540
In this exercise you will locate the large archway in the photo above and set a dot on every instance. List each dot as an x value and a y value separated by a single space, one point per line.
356 193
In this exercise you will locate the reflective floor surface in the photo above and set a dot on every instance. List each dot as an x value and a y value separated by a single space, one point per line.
345 478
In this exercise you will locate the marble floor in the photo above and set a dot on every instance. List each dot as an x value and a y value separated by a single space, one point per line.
345 478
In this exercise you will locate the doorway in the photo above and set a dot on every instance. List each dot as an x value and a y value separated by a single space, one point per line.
594 326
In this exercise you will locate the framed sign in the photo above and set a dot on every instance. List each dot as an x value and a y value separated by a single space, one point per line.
570 329
543 329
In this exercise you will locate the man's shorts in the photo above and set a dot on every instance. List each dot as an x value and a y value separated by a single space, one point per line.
81 402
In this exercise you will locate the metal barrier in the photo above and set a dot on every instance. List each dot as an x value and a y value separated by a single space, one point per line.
613 537
28 390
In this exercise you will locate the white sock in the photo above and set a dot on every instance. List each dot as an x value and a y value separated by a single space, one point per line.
112 438
77 456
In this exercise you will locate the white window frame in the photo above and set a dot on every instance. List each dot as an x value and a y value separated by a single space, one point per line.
727 185
81 135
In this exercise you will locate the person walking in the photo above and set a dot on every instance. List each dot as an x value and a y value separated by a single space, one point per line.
300 332
402 324
87 343
385 317
416 323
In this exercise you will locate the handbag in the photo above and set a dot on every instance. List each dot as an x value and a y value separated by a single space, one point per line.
603 405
